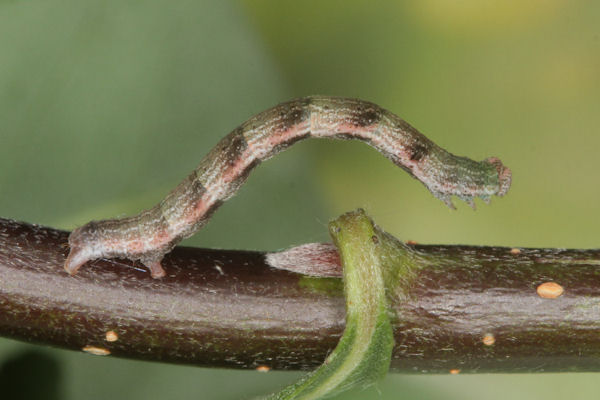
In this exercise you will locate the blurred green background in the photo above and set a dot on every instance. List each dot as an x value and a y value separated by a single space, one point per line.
104 106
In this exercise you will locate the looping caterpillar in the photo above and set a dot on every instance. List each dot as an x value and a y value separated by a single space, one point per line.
153 233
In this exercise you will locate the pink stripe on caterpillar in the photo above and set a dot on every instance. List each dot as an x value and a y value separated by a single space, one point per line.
264 147
153 233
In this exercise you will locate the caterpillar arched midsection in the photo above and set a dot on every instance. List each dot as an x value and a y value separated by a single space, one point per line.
151 234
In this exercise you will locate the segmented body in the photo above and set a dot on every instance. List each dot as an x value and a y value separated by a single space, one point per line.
153 233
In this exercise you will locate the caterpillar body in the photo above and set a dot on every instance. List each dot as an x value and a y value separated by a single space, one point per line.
150 235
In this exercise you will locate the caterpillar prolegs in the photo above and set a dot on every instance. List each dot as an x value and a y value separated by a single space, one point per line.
150 235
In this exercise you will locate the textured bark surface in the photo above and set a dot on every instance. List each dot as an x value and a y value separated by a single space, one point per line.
227 308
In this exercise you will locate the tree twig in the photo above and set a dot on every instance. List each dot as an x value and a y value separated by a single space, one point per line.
474 309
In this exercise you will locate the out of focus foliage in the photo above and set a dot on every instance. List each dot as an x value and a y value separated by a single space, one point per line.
104 106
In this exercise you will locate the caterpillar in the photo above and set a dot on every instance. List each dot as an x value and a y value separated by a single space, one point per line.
150 235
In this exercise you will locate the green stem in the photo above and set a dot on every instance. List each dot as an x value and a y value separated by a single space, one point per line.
375 267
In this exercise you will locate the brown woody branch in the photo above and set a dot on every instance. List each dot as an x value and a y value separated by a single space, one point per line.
477 309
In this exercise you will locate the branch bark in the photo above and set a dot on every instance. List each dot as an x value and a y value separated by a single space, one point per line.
474 309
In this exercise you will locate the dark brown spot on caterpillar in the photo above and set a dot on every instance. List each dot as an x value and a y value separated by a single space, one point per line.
233 147
418 152
197 187
211 210
294 113
354 136
284 145
367 117
244 174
